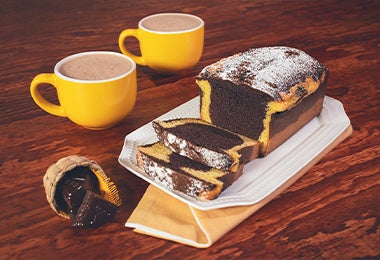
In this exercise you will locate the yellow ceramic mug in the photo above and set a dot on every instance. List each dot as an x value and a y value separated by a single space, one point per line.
169 42
95 89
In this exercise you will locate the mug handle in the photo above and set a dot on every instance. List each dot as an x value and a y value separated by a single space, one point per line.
130 33
49 107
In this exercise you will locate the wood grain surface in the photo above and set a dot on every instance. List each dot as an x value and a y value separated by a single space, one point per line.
332 212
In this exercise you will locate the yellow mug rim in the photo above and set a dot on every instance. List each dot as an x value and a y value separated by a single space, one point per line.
171 32
73 56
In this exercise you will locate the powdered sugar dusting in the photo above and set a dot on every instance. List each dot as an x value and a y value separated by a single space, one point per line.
160 174
166 177
269 69
181 146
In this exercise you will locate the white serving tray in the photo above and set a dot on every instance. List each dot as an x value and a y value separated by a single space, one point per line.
261 177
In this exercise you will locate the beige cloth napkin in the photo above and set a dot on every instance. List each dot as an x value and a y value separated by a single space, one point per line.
161 215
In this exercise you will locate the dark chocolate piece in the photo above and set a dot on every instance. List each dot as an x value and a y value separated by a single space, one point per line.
80 178
76 193
74 188
73 193
94 211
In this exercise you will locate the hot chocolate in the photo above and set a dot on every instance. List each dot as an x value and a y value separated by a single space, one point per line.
99 66
171 22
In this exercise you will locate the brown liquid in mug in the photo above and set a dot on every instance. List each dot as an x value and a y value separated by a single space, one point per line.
171 23
98 66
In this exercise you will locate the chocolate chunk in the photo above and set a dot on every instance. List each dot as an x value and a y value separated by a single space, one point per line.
74 190
73 187
78 193
94 211
73 193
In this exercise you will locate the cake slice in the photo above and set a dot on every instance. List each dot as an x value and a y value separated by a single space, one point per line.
205 143
266 93
180 173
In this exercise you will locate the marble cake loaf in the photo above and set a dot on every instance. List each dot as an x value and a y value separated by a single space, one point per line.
206 143
266 93
177 172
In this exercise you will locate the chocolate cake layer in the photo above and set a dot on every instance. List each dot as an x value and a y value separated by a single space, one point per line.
207 135
241 110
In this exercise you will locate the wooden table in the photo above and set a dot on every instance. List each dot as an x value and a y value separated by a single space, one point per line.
332 212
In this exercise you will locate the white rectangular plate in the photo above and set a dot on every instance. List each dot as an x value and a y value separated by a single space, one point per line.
261 177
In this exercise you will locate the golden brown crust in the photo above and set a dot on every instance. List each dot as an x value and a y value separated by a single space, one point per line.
139 160
209 195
